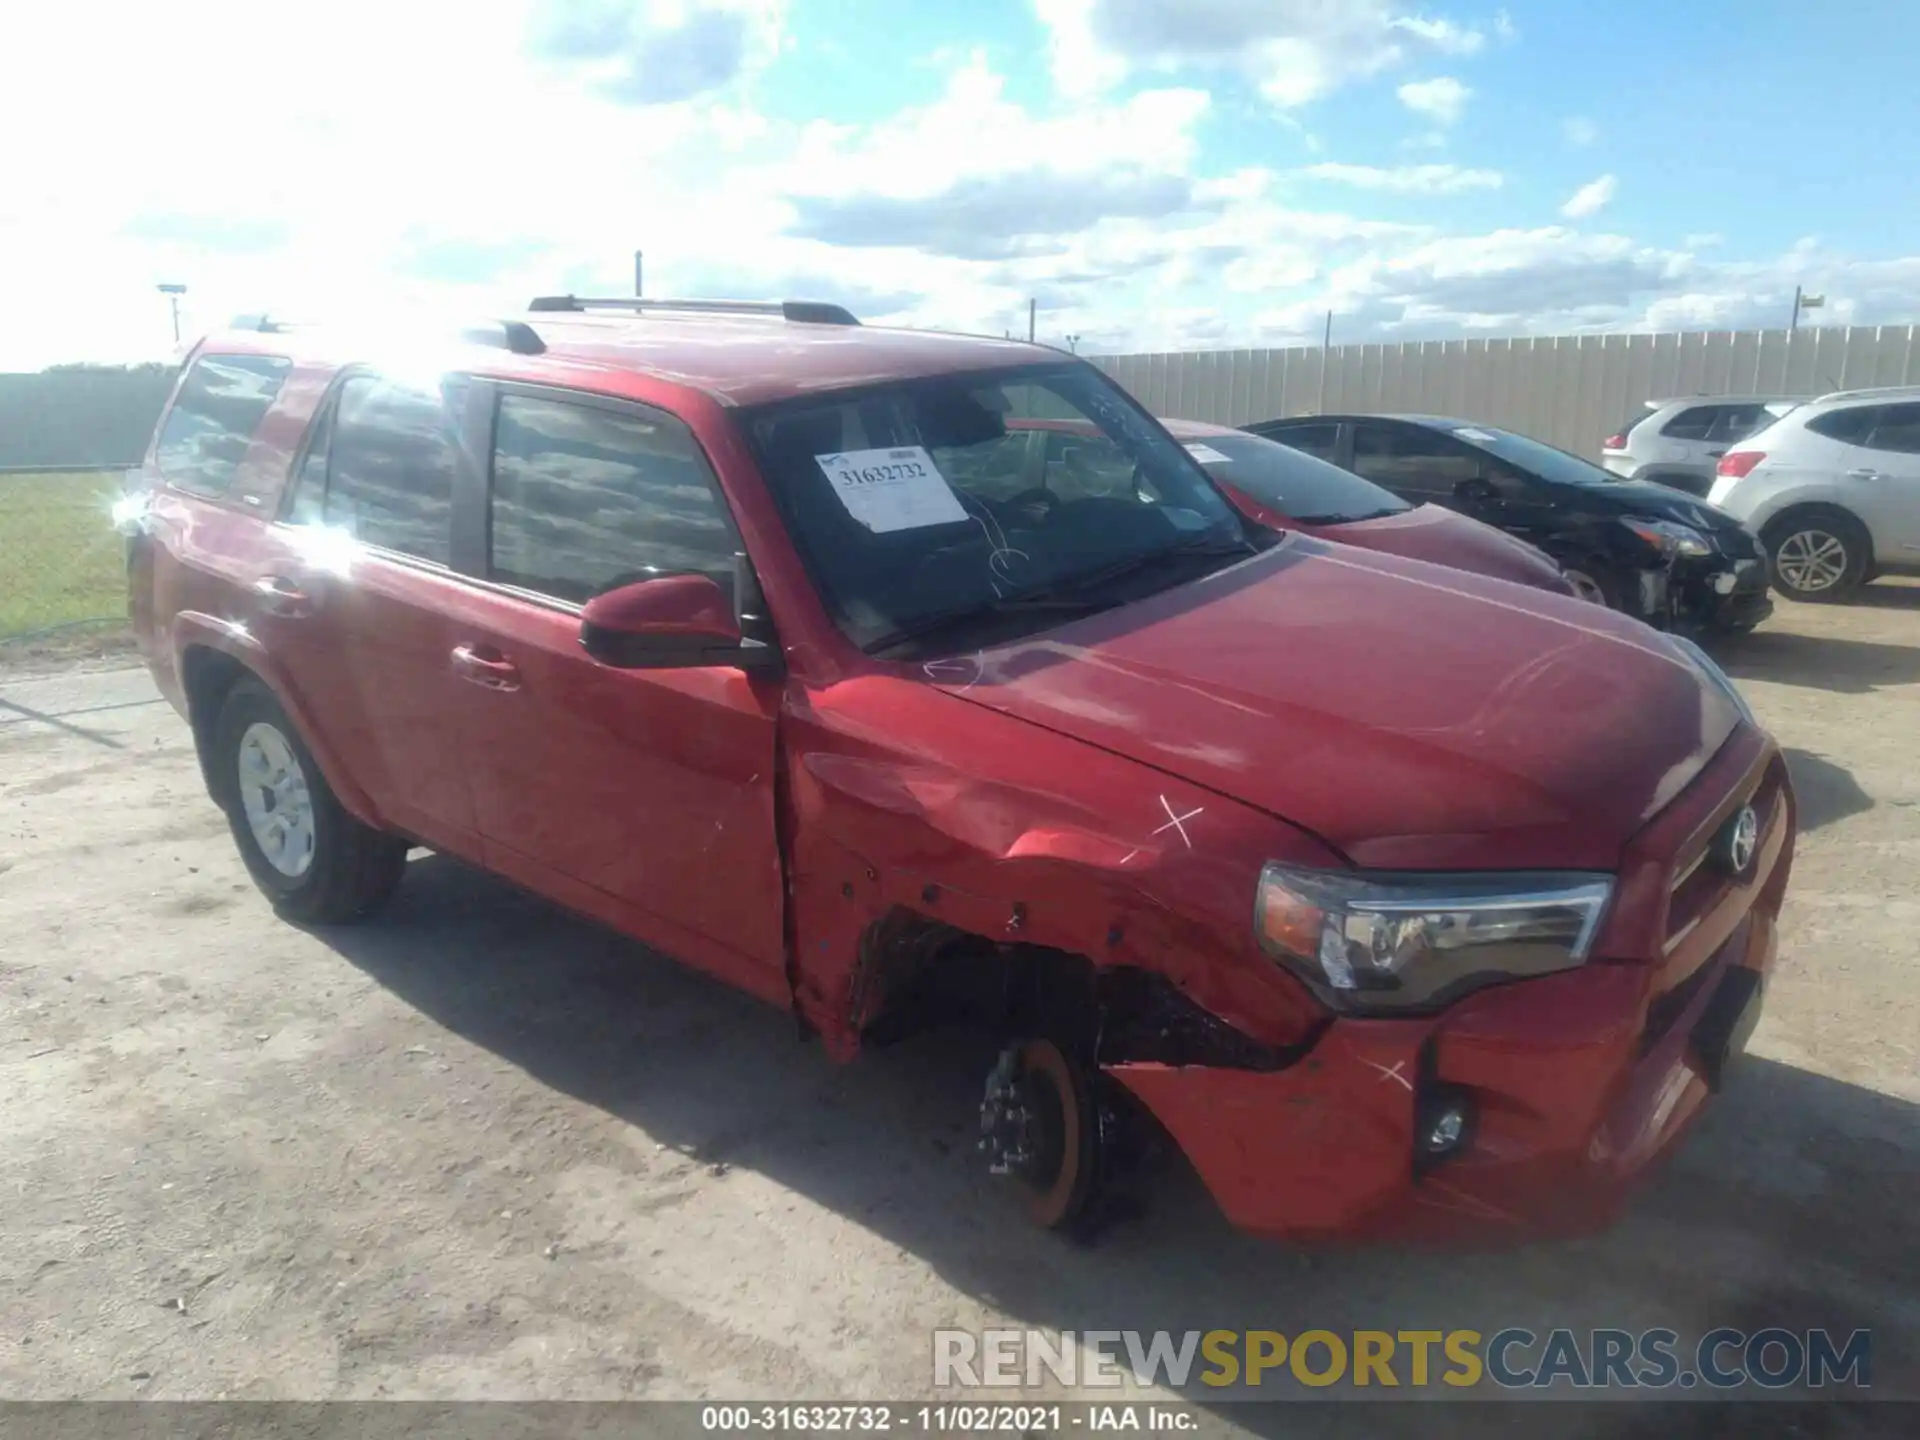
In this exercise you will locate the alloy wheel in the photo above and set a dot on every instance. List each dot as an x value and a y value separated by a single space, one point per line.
1811 561
273 792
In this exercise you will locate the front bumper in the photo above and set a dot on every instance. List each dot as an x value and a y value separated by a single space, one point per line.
1722 593
1578 1083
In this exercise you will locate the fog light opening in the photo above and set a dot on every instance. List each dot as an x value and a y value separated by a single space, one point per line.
1443 1125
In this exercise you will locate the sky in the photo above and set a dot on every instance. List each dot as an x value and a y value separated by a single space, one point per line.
1156 174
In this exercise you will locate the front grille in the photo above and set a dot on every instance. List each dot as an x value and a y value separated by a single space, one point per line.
1699 885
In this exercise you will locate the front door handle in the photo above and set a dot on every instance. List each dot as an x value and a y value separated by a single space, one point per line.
485 667
1863 474
280 596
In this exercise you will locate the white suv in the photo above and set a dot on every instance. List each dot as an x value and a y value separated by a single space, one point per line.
1833 489
1675 442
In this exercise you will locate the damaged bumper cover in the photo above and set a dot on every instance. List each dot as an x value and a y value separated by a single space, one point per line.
1576 1084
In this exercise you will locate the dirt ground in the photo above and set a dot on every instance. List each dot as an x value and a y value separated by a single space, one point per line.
480 1149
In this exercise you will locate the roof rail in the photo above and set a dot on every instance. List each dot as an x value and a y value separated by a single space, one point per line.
1867 393
805 312
513 335
516 336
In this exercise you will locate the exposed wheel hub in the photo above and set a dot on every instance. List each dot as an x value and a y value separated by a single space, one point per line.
1021 1129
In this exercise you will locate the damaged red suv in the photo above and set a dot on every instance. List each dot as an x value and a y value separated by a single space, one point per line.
1400 907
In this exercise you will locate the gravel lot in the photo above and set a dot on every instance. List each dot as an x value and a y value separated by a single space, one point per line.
480 1149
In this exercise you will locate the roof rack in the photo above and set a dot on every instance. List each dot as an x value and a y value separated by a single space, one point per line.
805 312
516 336
1867 393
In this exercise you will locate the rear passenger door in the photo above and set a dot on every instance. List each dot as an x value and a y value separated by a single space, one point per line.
357 598
643 797
1885 476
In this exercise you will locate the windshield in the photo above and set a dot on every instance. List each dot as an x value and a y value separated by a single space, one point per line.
1557 467
962 493
1298 486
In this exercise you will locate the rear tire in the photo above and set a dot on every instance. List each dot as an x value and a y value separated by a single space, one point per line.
1818 554
314 861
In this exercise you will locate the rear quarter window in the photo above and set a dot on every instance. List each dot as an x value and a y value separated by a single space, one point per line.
220 404
1849 426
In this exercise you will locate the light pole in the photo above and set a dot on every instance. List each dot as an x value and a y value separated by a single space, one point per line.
1803 301
173 294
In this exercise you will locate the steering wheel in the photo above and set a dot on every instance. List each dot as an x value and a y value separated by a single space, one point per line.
1035 505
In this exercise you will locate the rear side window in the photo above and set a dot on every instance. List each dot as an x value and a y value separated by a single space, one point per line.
1898 428
585 499
382 463
1693 423
1848 426
220 405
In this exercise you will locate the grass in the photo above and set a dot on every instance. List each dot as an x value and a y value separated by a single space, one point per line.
61 562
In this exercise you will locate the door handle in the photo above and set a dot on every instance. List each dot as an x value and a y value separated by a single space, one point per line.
1863 474
1715 454
280 596
492 670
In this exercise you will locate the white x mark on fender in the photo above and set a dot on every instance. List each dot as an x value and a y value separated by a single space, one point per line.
1391 1072
1174 821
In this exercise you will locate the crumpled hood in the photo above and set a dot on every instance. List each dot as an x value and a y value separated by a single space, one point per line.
1411 716
1427 532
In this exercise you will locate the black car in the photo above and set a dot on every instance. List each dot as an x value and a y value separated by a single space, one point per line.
1654 552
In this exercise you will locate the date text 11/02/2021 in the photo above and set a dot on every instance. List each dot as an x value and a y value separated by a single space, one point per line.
947 1419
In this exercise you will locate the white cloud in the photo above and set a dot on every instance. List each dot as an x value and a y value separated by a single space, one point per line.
329 182
1579 131
1441 100
1705 240
1293 51
1590 198
1406 179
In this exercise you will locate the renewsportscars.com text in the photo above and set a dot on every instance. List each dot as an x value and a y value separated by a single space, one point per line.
1511 1359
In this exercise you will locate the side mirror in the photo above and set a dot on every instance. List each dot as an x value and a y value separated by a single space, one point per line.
1476 491
668 622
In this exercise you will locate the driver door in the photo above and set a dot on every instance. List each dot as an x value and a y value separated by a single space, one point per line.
642 797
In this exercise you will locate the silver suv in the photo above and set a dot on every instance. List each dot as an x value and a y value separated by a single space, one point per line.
1676 442
1833 489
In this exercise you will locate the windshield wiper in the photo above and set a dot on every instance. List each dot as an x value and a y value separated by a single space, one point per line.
1198 547
998 608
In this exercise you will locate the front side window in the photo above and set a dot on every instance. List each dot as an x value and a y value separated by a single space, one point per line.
220 405
1296 485
585 499
382 462
1320 439
1410 460
928 500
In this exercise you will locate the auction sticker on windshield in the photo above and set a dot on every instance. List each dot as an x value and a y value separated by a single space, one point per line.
1207 455
888 490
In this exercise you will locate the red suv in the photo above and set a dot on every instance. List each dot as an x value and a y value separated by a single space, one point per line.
1401 906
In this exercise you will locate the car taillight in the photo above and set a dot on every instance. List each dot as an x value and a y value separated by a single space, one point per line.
1614 442
1735 464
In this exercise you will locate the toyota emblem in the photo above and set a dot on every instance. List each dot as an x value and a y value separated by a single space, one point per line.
1739 841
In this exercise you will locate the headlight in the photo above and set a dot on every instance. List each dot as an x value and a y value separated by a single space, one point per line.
1670 537
1398 943
1711 672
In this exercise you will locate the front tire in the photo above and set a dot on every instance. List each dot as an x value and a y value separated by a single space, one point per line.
1592 581
1818 555
1041 1122
314 861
